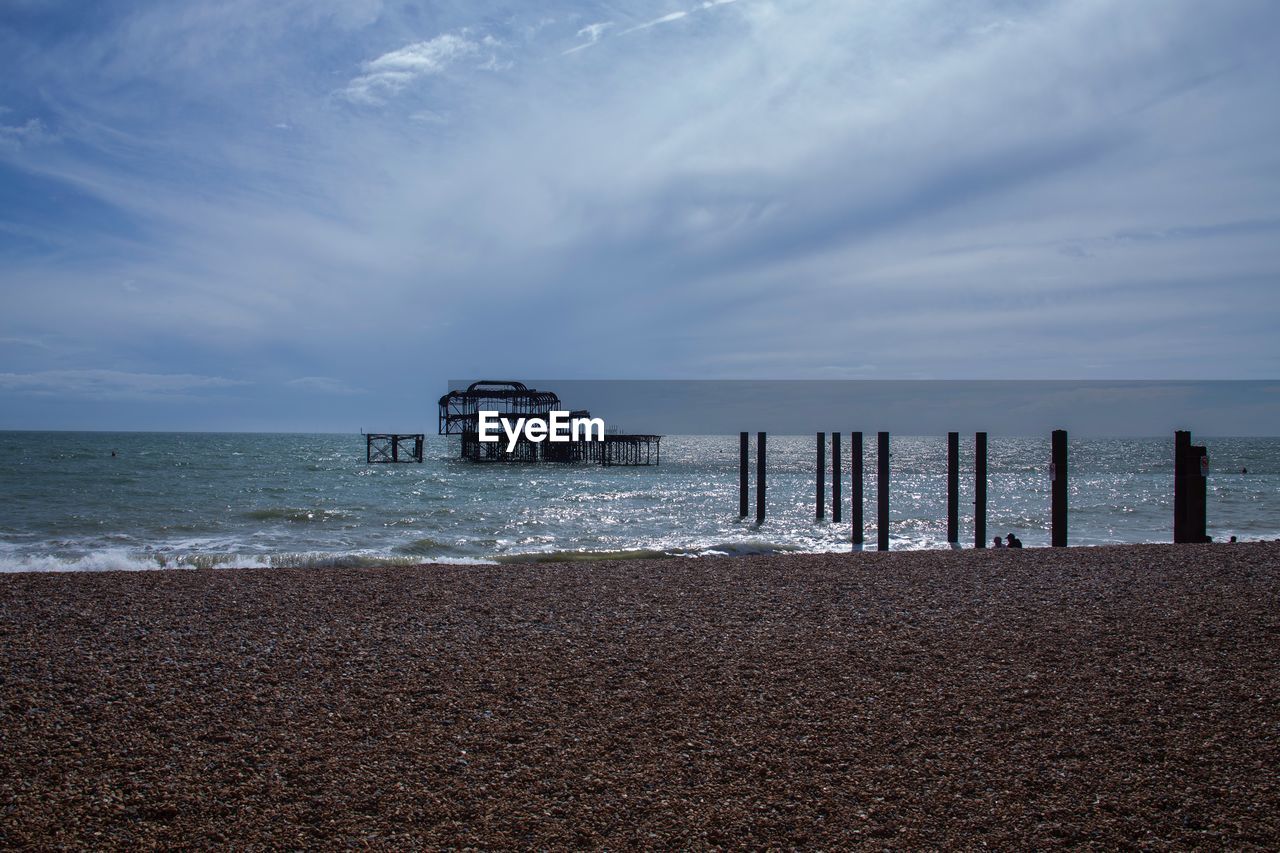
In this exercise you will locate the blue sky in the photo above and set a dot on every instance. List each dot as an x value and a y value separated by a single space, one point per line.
311 215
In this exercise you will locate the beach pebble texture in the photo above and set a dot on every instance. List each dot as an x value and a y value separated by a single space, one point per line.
1122 696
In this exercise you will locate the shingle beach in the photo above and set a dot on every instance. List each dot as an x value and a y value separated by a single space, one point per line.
1119 696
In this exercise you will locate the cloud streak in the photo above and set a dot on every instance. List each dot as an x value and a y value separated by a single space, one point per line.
113 384
389 74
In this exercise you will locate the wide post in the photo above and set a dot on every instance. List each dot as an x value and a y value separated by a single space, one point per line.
820 510
980 490
1197 501
855 487
953 488
882 493
1181 489
760 456
835 477
1190 489
1058 487
743 466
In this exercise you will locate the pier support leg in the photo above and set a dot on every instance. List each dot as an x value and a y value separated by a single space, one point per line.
835 477
1181 456
760 458
980 490
882 493
820 510
855 488
743 465
1058 487
953 488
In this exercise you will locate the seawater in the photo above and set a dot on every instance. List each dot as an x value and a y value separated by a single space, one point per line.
169 500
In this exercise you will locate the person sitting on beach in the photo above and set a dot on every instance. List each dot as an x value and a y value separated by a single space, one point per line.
1014 541
997 543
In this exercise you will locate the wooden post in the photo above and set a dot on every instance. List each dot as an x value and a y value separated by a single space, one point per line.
1058 487
835 477
855 487
1181 454
882 493
980 490
820 510
743 442
1190 489
1197 501
953 488
760 453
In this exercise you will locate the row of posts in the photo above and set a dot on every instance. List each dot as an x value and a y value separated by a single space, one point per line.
1190 470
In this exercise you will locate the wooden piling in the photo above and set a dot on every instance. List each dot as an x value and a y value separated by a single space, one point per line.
835 477
1181 457
743 454
882 493
760 479
820 510
1198 499
1190 489
980 490
1058 488
855 487
953 488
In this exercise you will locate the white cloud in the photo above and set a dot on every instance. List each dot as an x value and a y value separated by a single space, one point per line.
665 19
112 384
35 343
592 34
391 72
31 132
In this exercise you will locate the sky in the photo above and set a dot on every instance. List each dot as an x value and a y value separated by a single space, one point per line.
311 215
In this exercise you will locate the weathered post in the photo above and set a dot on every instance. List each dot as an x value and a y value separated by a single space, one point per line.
855 487
743 442
760 453
980 490
1181 446
882 493
835 477
1190 489
953 488
1058 487
820 510
1197 502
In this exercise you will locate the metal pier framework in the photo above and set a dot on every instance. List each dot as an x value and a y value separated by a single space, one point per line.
460 416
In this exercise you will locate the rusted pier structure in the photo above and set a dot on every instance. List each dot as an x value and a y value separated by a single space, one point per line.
393 447
460 415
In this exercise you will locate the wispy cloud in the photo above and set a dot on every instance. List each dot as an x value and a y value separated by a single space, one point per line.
665 19
112 384
592 34
30 132
391 72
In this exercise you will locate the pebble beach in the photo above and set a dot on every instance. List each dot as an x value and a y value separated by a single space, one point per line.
1120 696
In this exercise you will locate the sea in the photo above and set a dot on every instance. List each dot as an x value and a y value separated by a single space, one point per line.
93 501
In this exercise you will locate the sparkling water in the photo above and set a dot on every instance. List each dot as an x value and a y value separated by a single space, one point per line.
202 499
